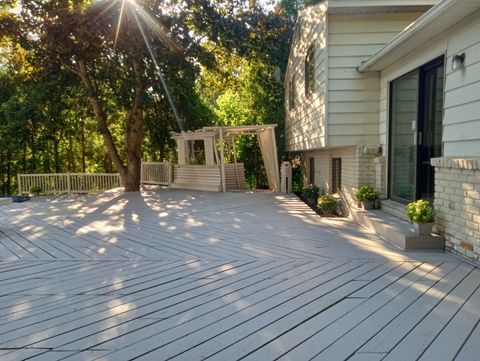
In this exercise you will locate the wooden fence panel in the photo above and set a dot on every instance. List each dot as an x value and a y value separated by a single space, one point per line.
61 183
155 173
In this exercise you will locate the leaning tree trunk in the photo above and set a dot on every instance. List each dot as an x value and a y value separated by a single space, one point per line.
129 173
134 133
101 118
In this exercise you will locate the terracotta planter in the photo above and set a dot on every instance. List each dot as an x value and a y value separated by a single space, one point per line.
423 229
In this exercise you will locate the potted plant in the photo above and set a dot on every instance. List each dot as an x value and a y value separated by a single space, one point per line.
422 215
36 190
366 197
327 204
310 194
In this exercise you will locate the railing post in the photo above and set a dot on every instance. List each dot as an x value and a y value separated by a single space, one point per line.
69 188
170 173
141 171
19 185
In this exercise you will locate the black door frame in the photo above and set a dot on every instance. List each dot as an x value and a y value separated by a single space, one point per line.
419 123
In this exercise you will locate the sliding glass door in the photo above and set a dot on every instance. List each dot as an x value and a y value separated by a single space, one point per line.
416 105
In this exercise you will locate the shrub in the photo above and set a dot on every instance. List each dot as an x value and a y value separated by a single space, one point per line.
311 191
420 212
366 193
327 203
36 190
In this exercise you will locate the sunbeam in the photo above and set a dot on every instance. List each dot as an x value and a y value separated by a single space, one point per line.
152 55
119 24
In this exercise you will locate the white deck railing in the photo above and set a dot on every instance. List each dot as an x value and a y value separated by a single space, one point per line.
68 182
159 173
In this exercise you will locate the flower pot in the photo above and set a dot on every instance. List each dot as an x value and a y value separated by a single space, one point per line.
366 205
327 213
423 229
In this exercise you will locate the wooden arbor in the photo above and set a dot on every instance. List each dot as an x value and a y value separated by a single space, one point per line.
201 158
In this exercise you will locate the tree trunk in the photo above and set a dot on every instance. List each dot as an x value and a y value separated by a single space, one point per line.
130 173
9 172
71 157
134 133
101 118
56 155
84 166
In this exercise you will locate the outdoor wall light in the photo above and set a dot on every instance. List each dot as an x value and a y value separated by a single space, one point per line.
458 61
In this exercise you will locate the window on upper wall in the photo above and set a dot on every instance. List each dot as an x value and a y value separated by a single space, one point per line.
310 71
291 93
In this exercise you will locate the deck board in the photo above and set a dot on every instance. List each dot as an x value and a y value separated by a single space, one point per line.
195 275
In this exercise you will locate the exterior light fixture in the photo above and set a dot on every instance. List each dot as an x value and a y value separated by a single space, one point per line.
458 61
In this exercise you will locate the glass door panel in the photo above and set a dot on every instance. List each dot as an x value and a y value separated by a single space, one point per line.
430 129
404 106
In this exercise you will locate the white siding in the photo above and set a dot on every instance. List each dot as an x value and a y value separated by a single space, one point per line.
305 123
380 3
353 98
461 122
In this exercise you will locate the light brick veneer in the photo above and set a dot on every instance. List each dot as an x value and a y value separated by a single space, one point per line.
457 202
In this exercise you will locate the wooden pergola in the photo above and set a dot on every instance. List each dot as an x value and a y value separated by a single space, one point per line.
215 173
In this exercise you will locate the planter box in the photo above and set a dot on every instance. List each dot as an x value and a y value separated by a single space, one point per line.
423 229
366 205
18 199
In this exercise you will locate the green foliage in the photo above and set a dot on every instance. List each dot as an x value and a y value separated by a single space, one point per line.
311 191
366 193
420 212
327 203
222 61
36 190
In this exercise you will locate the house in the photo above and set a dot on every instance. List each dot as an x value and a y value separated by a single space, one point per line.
387 93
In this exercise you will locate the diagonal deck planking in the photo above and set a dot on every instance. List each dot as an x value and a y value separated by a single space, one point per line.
194 275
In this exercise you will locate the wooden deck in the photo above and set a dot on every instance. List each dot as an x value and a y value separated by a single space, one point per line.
188 275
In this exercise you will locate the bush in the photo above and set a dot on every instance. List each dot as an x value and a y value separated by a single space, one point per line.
36 190
311 192
327 203
420 212
366 193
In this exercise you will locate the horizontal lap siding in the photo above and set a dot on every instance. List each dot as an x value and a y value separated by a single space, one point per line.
305 124
462 93
353 98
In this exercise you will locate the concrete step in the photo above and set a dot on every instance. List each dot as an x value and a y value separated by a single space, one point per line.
397 231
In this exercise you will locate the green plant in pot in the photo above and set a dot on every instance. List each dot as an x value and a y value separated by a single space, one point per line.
36 190
327 204
310 193
422 215
366 197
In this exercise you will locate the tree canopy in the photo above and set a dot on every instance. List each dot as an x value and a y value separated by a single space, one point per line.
98 85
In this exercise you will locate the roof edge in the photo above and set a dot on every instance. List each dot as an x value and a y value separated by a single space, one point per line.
434 14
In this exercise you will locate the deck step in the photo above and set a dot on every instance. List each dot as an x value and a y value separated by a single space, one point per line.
396 230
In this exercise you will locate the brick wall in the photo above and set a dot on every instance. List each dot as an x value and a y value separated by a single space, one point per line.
457 202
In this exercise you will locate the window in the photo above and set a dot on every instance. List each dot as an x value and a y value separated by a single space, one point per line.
336 175
310 71
311 175
291 93
196 152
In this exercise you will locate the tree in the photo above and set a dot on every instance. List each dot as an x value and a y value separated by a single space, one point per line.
121 54
109 46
